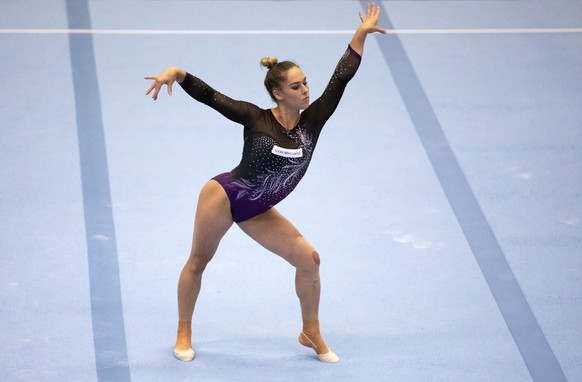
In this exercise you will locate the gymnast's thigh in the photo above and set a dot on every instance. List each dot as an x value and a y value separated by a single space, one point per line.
277 234
213 219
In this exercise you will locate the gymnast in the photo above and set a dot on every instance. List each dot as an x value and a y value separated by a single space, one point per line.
278 146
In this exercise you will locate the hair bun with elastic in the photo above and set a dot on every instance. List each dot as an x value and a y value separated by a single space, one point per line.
269 62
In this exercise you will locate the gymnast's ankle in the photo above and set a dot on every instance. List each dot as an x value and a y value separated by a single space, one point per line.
184 335
311 337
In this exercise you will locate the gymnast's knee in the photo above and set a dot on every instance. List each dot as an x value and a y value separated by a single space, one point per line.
315 257
197 264
304 256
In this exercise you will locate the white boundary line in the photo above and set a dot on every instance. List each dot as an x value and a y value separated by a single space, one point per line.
170 32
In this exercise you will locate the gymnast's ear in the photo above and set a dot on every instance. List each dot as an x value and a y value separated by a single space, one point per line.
277 95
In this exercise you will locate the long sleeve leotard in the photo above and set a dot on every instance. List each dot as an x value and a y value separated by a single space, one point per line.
274 159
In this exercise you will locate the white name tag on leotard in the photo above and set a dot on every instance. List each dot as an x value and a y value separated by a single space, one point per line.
287 153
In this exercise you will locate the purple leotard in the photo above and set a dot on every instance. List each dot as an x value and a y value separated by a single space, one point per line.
274 159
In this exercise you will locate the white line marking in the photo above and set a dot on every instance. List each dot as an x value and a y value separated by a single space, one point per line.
170 32
175 32
489 31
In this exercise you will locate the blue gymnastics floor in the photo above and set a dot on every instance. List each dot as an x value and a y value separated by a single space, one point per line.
444 197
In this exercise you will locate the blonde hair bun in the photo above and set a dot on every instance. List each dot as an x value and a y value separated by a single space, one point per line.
269 62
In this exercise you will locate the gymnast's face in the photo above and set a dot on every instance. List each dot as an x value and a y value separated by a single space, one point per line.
294 92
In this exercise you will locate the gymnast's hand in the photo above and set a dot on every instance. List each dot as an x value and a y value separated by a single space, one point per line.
167 77
369 23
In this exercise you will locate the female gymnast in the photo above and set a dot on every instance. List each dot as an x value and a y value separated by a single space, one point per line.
278 145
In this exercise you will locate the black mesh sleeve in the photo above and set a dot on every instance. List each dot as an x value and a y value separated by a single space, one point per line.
241 112
321 109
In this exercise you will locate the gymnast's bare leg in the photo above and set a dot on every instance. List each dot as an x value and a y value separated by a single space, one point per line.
277 234
213 220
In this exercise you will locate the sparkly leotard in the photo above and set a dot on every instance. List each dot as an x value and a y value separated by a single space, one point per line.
274 159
